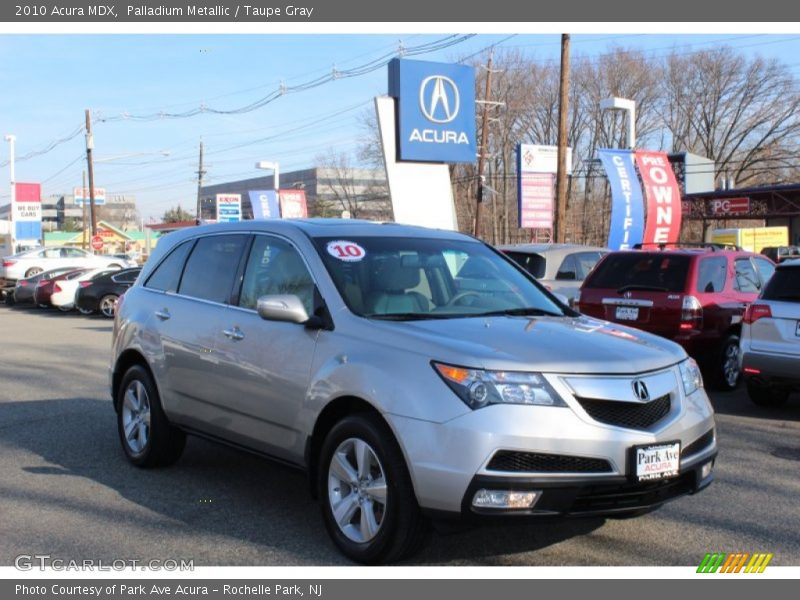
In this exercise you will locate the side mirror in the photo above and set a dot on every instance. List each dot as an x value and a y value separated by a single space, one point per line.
282 307
562 298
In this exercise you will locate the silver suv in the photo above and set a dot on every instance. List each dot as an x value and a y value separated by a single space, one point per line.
770 345
413 373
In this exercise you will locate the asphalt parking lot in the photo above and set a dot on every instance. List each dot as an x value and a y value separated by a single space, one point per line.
67 490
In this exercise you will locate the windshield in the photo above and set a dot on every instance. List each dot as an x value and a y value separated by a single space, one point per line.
420 278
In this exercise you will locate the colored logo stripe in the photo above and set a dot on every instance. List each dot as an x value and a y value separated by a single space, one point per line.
734 563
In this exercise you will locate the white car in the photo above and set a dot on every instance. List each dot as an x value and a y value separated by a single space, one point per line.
561 268
65 290
770 342
37 260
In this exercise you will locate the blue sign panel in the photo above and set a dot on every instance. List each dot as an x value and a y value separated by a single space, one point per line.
265 204
435 110
627 206
28 230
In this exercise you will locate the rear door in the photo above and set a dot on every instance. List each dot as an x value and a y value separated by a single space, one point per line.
641 289
780 333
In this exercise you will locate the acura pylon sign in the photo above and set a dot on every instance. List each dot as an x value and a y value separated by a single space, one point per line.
435 110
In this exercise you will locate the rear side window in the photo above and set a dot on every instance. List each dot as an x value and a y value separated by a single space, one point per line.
126 277
168 274
532 263
747 280
784 286
765 270
212 267
711 274
577 266
651 271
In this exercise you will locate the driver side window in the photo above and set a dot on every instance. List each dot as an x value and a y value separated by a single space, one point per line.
274 267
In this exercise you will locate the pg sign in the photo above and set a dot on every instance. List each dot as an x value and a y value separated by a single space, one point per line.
435 110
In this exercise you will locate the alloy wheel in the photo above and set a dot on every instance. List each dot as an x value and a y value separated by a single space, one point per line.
357 490
136 416
730 365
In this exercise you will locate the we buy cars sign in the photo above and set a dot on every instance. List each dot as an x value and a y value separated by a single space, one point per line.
663 222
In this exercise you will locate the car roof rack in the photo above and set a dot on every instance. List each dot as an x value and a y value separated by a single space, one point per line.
713 246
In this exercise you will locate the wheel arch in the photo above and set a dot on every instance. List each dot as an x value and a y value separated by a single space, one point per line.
125 361
335 411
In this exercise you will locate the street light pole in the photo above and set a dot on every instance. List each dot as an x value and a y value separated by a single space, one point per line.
628 106
11 139
273 166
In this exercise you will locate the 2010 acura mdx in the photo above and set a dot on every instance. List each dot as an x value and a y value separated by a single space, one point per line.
413 373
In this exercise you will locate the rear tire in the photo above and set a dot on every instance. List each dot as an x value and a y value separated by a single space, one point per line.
85 311
65 308
765 395
362 476
108 305
728 371
32 271
147 437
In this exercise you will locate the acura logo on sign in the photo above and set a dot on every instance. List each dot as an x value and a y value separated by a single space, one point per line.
439 99
640 390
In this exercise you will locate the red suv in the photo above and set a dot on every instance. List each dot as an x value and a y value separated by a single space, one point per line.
693 296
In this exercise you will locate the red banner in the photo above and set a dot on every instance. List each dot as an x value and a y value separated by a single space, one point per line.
663 221
29 192
293 204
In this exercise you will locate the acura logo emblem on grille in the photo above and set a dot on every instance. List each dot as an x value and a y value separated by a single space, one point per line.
627 295
640 390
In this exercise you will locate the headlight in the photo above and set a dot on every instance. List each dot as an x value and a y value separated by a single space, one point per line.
690 374
479 388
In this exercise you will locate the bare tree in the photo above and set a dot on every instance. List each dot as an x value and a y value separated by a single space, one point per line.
354 191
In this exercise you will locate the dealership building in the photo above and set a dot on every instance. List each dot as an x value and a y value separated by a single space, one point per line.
330 192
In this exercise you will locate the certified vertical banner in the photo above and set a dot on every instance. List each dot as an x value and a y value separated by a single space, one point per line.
536 200
265 204
663 224
627 206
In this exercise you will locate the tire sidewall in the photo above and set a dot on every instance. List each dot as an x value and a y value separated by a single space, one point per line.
365 428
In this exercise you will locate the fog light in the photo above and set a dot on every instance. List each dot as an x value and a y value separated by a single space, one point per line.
705 470
505 499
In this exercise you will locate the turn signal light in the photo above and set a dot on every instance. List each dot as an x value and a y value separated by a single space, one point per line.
755 312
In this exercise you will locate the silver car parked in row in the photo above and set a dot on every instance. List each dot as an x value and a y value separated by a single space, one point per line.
770 343
413 373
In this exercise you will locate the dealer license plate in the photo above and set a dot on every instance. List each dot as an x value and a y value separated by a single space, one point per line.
627 313
656 461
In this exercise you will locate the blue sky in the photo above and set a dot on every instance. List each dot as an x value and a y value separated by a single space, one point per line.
48 80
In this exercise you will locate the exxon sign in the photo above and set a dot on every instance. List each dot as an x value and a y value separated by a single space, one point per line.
435 110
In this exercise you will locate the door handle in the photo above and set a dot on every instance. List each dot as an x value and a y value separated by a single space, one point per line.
163 314
234 334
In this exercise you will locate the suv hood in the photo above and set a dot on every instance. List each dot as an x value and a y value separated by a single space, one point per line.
548 344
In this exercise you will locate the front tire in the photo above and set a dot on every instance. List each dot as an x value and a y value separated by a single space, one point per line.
765 395
368 501
147 437
728 370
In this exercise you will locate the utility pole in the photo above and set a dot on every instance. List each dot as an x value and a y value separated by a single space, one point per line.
484 143
561 175
200 173
90 166
83 207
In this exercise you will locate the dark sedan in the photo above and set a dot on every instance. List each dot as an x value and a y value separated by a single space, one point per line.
23 290
101 293
44 288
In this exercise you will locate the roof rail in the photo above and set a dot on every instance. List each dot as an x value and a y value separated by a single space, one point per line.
713 246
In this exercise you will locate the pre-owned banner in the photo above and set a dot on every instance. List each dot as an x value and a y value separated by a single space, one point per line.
293 204
627 206
663 223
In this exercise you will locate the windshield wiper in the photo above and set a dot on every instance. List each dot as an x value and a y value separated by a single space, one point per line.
519 312
636 286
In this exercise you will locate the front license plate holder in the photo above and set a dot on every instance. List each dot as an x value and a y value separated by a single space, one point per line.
654 462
